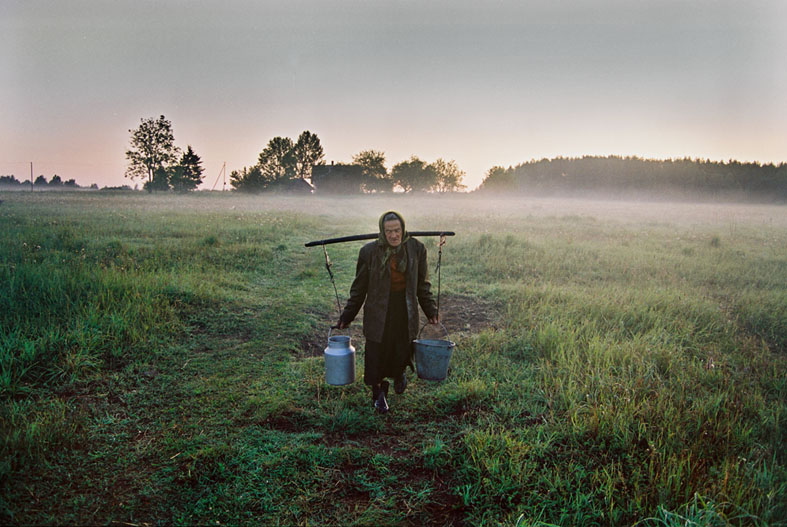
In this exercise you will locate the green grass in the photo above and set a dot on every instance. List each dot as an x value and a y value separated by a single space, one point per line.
155 365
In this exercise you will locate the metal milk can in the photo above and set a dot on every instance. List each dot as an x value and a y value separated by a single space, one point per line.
339 360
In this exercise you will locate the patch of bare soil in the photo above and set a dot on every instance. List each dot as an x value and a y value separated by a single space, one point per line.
461 315
314 343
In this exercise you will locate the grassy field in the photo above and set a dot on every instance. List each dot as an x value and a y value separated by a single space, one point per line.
616 363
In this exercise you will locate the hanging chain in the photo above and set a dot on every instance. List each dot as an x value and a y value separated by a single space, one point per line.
328 265
437 270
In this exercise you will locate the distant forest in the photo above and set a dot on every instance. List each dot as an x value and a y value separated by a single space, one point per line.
588 176
10 182
615 176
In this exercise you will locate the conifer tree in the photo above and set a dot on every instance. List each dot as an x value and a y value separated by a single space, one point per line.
187 175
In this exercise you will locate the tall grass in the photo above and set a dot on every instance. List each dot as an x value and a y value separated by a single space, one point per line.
154 346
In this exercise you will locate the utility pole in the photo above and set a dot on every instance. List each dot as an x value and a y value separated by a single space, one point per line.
223 172
31 176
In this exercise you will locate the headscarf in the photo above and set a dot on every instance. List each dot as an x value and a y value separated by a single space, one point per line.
400 252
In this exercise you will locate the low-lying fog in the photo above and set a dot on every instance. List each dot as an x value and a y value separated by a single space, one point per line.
473 205
459 206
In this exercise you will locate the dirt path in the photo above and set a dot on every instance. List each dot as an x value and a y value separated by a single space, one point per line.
460 314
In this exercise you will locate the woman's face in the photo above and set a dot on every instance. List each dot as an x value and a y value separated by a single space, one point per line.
393 232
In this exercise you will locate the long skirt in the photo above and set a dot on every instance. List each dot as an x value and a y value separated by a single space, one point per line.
390 357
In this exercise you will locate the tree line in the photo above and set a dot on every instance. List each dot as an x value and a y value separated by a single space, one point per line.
615 175
285 164
10 181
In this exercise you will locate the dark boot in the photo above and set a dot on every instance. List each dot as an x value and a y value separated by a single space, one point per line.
379 393
400 383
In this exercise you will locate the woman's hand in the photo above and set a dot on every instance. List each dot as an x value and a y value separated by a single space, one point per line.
341 325
435 319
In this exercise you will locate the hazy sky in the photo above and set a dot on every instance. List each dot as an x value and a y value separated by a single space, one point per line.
482 83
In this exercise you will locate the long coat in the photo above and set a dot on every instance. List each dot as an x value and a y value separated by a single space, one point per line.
373 287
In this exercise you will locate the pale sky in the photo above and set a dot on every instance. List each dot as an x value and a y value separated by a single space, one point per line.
482 83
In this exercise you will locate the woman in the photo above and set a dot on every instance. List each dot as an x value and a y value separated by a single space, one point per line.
391 281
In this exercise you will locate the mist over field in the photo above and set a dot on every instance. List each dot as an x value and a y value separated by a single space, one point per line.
616 362
616 288
654 207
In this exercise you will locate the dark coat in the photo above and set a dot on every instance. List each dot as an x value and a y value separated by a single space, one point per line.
373 288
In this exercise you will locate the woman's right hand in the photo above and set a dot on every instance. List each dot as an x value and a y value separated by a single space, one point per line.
341 324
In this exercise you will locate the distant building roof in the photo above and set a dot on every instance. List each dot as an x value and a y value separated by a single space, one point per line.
299 185
338 178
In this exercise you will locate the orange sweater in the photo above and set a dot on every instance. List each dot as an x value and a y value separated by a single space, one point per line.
398 282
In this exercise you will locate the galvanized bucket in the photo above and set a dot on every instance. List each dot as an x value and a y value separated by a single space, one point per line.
339 360
432 356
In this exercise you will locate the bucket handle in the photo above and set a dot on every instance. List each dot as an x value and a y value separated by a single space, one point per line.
441 325
337 327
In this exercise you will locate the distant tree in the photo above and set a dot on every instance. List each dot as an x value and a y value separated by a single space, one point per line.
160 180
448 176
94 186
498 179
248 180
413 175
376 175
9 180
175 175
152 147
40 181
277 161
307 152
71 183
56 181
187 174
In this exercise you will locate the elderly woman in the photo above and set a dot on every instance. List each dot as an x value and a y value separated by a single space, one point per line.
391 281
